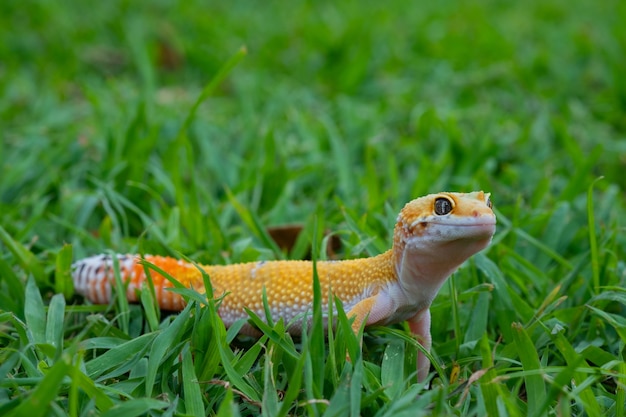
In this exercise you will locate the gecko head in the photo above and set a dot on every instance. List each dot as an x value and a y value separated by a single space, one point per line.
440 231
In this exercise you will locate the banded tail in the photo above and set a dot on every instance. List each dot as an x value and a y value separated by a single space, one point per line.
94 278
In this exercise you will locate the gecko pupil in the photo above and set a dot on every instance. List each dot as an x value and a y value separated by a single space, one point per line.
442 206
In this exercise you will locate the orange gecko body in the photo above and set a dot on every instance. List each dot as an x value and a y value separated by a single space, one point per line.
433 236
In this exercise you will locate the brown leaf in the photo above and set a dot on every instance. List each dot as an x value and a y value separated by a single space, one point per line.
286 236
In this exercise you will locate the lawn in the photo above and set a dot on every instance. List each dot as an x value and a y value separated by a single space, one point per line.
195 128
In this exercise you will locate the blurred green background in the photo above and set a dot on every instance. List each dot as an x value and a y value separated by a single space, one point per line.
358 99
337 111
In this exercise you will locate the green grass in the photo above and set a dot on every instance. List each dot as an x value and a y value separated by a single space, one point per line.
144 127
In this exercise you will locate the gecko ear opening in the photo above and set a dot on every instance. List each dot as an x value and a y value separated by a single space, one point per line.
443 206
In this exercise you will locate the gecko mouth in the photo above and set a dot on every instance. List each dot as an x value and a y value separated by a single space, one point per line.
492 223
481 230
485 223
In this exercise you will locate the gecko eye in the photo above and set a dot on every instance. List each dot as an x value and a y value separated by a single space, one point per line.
489 203
442 206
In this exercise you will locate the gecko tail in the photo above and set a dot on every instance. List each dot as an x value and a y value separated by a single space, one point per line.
94 278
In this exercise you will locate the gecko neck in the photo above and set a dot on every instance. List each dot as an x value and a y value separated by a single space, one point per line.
423 265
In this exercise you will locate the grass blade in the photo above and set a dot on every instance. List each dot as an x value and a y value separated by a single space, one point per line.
122 301
136 407
392 369
118 355
13 298
54 323
593 243
34 313
316 342
191 387
237 380
295 384
166 339
26 259
269 406
254 225
228 408
574 362
488 387
87 385
617 321
210 87
534 383
62 274
38 402
620 391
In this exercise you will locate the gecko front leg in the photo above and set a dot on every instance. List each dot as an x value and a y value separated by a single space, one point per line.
373 309
378 308
420 327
